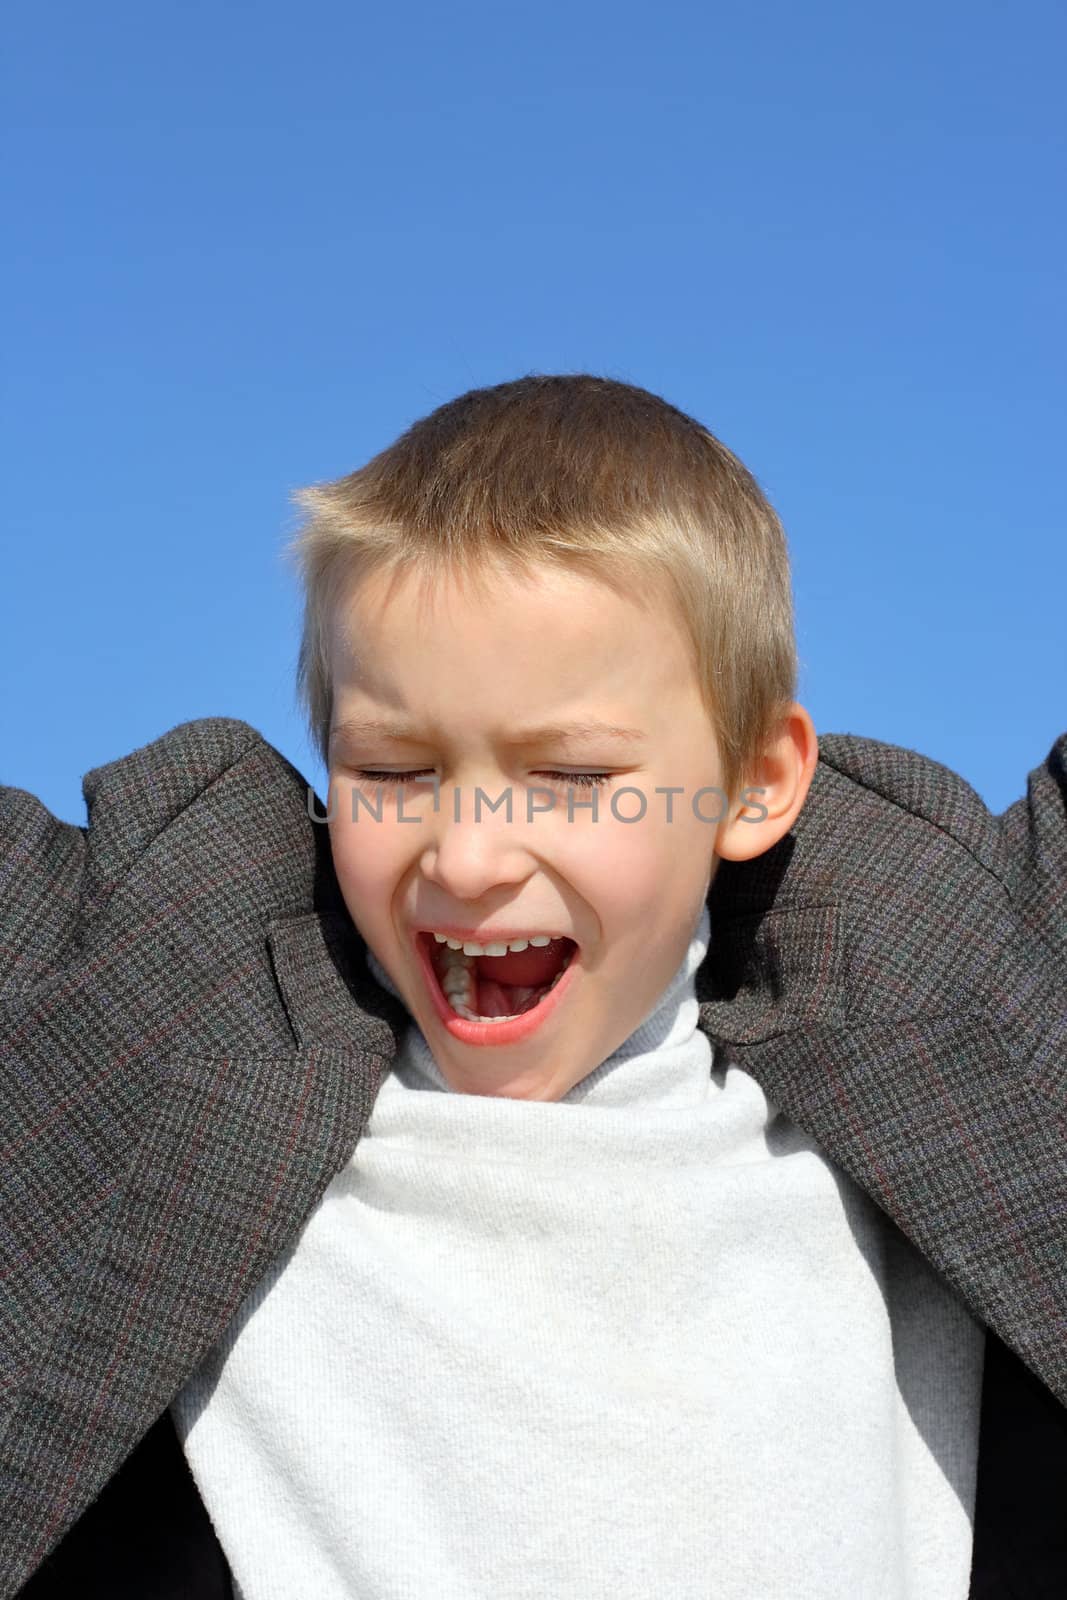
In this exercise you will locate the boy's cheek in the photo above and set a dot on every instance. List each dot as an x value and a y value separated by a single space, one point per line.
365 875
612 866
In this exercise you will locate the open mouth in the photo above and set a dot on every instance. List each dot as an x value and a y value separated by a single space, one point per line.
499 997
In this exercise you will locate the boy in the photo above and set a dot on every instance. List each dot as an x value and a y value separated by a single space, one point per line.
712 1090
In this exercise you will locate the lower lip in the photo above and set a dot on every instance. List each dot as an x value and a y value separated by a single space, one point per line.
484 1033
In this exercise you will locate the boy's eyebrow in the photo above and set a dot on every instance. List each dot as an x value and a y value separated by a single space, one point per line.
552 732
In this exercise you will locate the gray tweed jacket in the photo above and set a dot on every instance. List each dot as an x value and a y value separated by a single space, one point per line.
191 1043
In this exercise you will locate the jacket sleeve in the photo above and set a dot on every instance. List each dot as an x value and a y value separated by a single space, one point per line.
56 876
68 983
135 799
42 867
1034 838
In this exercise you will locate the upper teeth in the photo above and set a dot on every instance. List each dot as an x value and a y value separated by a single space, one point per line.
469 948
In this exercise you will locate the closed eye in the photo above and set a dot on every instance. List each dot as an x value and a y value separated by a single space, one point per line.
581 780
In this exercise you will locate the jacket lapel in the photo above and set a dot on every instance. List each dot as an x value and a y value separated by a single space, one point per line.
944 1115
234 1155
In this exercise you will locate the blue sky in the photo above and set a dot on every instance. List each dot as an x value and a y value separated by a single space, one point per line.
253 243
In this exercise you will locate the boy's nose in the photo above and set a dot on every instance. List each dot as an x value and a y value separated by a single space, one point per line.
469 858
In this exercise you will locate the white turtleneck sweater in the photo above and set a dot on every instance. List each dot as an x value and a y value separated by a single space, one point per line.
643 1343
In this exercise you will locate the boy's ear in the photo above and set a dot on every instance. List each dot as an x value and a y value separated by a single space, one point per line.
775 788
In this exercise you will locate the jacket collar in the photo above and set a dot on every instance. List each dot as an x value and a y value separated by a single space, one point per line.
763 975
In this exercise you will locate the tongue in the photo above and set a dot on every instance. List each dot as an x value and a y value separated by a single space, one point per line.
526 968
500 999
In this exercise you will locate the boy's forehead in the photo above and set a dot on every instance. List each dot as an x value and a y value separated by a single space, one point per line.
596 680
494 588
574 624
408 729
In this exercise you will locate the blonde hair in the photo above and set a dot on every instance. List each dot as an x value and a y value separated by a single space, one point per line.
580 472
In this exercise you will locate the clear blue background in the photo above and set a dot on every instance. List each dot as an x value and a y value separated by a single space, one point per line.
251 243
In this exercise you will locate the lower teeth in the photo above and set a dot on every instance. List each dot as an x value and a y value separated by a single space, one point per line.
464 1011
